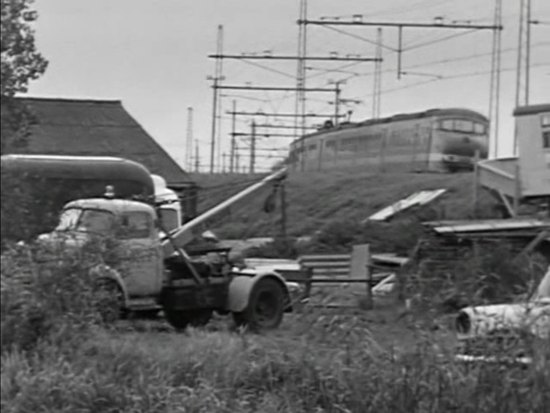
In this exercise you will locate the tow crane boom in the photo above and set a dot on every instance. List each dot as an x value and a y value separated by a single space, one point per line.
185 234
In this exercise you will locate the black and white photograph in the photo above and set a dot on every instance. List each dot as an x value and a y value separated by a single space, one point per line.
275 206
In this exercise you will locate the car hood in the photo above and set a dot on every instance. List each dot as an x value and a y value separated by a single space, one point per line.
531 316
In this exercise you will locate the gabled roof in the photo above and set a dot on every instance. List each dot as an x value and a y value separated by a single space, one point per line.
96 128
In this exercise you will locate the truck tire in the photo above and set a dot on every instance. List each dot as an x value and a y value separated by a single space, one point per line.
265 306
181 319
110 301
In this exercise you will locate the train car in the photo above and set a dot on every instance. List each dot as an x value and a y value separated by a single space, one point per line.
433 140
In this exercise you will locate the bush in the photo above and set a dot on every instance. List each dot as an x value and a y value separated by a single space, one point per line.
476 274
49 294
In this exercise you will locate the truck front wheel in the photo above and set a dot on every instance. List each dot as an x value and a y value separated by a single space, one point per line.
181 319
109 301
265 306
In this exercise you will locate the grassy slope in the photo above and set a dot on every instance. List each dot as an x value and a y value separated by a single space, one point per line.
317 200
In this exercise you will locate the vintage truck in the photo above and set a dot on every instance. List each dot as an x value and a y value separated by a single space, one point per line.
158 270
509 333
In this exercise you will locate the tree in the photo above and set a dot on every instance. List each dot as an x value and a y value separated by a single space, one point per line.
20 64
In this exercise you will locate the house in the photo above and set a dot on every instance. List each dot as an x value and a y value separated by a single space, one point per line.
85 127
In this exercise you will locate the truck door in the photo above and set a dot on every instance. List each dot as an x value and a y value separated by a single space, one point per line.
140 253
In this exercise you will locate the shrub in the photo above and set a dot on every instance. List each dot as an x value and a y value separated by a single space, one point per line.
49 294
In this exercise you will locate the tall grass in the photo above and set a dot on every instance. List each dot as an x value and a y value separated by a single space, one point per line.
204 371
317 362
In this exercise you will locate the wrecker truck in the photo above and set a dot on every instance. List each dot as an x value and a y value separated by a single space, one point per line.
162 271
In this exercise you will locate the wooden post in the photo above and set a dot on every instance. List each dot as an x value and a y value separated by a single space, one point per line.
416 137
383 142
369 305
359 263
517 192
283 210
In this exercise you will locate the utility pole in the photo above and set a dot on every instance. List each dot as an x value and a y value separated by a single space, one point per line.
252 147
337 103
217 78
494 91
233 126
523 58
189 140
527 50
377 89
197 156
300 105
520 53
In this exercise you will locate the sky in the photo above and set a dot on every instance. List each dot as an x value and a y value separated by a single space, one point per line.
153 56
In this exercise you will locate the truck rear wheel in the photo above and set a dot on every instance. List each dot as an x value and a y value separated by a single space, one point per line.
265 306
181 319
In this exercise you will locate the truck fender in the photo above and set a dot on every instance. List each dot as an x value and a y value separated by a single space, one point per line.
241 287
106 272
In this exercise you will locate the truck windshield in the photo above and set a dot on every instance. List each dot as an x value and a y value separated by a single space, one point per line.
86 220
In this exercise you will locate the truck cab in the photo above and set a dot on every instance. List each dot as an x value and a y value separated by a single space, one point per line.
131 225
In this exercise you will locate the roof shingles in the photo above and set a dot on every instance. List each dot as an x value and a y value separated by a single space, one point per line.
98 128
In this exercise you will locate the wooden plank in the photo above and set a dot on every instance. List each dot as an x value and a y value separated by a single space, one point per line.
323 257
327 264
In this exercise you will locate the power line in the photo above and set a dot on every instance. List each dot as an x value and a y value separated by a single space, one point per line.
436 25
282 115
418 45
269 69
355 36
275 88
460 75
330 58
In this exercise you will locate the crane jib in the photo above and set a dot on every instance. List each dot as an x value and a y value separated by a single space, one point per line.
188 231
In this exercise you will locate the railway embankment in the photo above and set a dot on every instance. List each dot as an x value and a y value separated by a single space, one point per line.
330 206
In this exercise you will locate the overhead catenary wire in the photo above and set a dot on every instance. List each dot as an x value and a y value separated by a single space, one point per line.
427 43
461 75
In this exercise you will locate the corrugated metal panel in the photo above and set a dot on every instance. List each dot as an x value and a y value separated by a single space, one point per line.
418 198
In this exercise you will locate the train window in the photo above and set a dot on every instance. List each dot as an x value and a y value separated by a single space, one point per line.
546 139
312 147
545 120
464 125
479 128
447 124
